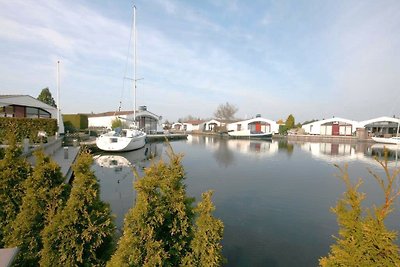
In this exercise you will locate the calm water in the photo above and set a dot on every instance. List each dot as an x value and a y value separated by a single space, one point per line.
273 197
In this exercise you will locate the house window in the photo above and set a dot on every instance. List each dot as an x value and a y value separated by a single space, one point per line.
32 112
7 111
44 114
239 127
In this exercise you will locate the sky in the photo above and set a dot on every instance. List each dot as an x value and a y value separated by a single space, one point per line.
313 59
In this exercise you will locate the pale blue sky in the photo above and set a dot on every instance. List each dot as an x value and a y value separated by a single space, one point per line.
314 59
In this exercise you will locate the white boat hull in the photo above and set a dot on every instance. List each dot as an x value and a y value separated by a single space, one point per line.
392 140
120 143
249 134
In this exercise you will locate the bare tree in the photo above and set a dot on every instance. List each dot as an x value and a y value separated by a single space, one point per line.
187 118
226 111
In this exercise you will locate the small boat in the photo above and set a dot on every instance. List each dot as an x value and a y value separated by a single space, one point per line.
250 134
391 140
120 140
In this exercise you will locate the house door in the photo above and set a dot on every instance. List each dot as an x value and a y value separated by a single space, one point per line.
258 127
335 129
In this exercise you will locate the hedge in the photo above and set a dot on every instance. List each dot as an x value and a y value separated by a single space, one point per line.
27 128
77 121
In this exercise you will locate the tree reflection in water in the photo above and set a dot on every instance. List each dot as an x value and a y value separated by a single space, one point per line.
223 155
284 145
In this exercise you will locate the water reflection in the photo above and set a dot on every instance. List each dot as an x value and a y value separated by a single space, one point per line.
116 176
224 150
224 155
341 153
284 145
287 183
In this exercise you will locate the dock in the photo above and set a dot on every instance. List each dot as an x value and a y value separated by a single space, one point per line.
64 156
166 136
327 138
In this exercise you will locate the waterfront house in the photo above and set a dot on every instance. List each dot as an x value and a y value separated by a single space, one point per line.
26 106
177 126
194 125
147 120
257 124
212 124
382 126
333 126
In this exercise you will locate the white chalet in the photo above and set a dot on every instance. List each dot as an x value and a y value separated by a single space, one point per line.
211 124
332 126
193 125
257 124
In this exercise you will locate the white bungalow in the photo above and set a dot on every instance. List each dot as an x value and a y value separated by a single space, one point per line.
194 125
147 120
382 126
26 106
177 126
212 124
332 126
256 124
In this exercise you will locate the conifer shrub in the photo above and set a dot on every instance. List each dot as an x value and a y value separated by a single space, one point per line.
82 233
363 238
205 247
159 230
45 193
14 170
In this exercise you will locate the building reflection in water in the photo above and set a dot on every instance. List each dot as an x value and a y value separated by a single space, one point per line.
337 153
225 149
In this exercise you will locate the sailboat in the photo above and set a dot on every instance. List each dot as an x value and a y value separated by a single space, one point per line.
390 140
132 138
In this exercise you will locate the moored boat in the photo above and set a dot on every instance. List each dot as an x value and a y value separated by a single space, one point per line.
391 140
125 139
121 140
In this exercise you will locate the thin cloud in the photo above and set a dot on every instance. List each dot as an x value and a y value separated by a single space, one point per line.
271 58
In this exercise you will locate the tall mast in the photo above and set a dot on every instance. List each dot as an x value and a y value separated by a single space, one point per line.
134 63
58 95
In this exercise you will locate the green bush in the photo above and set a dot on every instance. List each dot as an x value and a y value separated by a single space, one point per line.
363 239
45 193
27 128
82 233
14 170
283 129
163 228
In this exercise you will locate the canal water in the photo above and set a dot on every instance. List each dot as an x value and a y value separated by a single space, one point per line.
273 197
